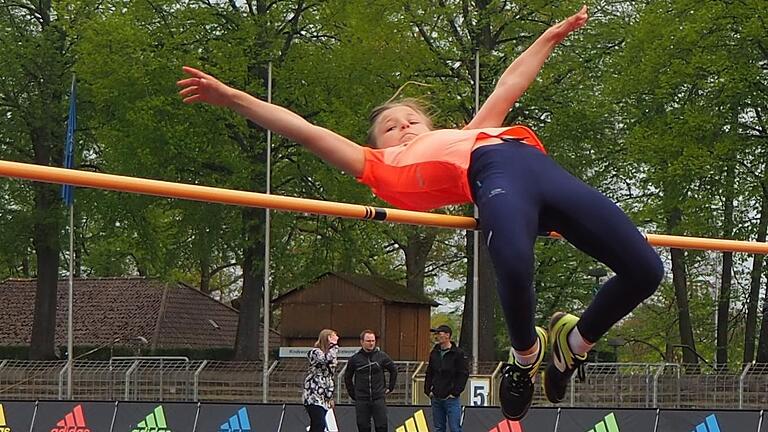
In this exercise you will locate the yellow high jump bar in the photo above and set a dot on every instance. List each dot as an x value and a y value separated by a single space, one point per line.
302 205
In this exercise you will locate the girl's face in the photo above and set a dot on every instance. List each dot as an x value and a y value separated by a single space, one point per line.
399 125
333 338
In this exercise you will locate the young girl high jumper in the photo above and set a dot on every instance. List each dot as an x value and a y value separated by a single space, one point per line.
519 191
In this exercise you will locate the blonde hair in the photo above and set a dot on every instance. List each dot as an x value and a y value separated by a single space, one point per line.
322 339
412 103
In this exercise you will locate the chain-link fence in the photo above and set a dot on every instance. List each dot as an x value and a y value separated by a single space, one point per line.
617 385
404 384
31 379
222 381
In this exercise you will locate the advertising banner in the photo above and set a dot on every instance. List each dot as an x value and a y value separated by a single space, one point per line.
238 418
708 421
16 416
155 417
410 418
490 419
617 420
55 416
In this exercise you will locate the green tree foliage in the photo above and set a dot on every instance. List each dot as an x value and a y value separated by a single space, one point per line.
147 131
36 44
660 105
686 85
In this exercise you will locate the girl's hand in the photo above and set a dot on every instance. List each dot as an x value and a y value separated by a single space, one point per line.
576 21
201 87
334 339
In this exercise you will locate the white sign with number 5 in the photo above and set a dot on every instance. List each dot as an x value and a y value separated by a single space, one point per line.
478 391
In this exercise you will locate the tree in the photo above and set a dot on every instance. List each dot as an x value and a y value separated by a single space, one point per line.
37 61
690 121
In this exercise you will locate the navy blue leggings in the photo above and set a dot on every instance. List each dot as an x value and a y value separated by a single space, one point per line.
521 192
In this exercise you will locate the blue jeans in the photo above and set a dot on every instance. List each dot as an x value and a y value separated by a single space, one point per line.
446 410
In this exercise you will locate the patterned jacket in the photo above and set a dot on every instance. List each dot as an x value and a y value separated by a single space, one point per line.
319 382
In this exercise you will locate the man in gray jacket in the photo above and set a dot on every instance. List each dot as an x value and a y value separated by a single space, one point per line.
366 384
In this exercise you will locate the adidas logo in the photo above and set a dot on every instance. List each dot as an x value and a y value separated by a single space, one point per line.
237 423
608 424
3 425
154 422
417 423
507 426
72 422
709 425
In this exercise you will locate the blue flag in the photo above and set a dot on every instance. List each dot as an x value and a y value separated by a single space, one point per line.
68 191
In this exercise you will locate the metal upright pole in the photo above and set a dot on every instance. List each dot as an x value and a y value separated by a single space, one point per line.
476 248
70 296
267 220
69 149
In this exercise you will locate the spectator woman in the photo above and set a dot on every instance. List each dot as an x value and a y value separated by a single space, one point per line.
319 381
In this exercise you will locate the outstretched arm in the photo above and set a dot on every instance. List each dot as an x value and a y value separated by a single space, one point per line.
521 73
330 146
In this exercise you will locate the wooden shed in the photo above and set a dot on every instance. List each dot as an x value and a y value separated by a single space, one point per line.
350 303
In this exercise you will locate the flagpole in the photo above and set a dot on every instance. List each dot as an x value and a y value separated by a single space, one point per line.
70 343
476 248
267 220
67 195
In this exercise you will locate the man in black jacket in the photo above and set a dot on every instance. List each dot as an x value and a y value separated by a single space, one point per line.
364 377
447 375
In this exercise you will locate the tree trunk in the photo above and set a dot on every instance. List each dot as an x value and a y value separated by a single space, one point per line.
253 147
205 271
723 308
724 296
486 306
420 242
762 345
205 277
754 286
47 139
247 341
25 265
680 282
46 242
465 338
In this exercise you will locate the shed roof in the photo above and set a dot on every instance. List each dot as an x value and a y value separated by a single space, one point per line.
167 315
383 288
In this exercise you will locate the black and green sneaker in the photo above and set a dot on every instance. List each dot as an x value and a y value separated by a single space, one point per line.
564 362
516 384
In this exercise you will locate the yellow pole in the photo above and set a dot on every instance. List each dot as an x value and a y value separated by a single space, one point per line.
701 243
302 205
226 196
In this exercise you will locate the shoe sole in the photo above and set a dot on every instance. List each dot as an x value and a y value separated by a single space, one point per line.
552 322
543 338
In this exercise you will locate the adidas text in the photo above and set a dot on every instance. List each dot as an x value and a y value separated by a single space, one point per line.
67 429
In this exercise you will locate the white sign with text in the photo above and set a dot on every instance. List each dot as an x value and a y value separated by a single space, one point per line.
286 352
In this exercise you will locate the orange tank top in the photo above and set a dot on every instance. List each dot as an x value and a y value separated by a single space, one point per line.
431 171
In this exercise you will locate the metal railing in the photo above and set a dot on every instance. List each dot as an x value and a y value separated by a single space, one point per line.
404 385
617 385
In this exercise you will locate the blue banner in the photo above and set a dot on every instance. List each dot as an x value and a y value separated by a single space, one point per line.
67 191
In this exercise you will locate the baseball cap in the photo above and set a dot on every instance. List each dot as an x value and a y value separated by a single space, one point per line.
442 328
